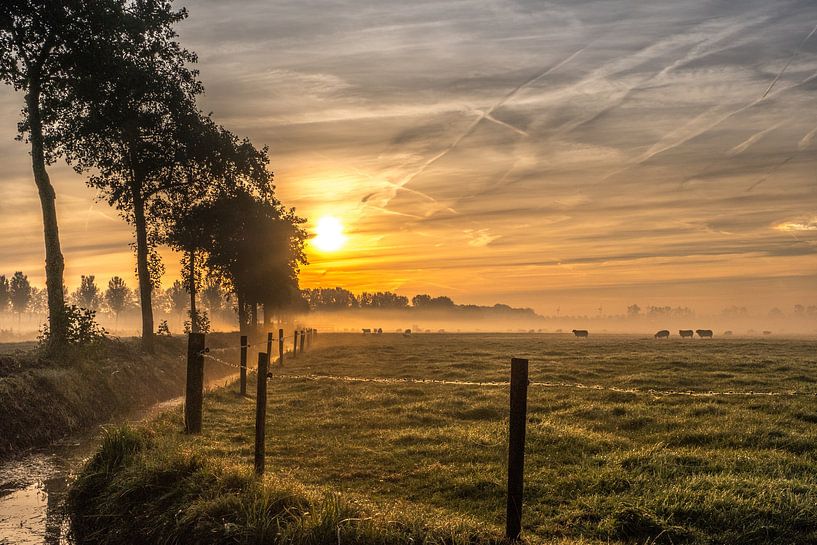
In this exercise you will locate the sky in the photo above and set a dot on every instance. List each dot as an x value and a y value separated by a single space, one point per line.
555 155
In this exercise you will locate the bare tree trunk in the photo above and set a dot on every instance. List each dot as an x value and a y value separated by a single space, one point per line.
267 316
54 263
242 314
194 317
254 317
143 269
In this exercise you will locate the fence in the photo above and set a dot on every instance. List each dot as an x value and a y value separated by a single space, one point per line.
518 385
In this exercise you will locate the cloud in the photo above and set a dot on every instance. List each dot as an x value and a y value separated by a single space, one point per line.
559 145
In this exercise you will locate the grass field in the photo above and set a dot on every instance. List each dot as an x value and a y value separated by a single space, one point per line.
630 457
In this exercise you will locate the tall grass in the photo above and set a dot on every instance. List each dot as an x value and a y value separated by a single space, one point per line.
140 489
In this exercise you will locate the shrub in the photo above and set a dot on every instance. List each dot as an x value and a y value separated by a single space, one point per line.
82 329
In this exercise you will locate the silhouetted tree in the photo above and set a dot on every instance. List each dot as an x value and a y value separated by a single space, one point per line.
87 295
138 129
20 292
383 300
5 294
255 247
117 296
633 311
213 295
37 41
330 299
177 296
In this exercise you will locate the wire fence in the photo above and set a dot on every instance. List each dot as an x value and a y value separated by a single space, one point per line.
654 392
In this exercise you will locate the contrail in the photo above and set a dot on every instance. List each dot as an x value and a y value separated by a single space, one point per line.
770 172
746 144
807 139
483 115
796 51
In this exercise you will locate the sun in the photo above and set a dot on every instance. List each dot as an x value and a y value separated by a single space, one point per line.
329 235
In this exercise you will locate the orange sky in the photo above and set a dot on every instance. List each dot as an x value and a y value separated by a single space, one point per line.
544 155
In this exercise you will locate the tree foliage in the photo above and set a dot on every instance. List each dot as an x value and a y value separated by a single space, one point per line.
117 295
87 295
5 293
20 292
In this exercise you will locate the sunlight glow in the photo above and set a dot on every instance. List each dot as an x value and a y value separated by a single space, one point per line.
329 235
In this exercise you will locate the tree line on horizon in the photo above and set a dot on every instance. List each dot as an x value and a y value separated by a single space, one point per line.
108 88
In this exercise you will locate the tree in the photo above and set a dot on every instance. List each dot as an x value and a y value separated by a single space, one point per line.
633 311
383 300
212 295
38 304
329 299
138 129
255 247
48 49
87 295
36 39
5 293
177 296
117 296
20 291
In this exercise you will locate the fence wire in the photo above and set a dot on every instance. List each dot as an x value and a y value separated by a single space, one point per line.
655 392
545 384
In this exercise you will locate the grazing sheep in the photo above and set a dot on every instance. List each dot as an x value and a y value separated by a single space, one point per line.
704 333
728 333
686 333
663 334
580 332
407 333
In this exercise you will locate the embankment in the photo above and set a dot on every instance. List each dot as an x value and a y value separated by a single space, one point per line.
45 398
152 485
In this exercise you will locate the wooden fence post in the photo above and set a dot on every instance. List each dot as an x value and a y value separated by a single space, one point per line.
194 391
303 335
281 346
261 413
243 370
516 447
295 345
269 347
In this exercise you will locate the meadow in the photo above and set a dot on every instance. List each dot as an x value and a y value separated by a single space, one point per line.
629 440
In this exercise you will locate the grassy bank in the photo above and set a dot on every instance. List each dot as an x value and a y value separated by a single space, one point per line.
44 398
603 465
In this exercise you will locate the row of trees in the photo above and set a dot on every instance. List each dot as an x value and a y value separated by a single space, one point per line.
18 296
335 299
108 87
734 311
635 311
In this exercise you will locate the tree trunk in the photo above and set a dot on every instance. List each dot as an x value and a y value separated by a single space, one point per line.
254 317
54 263
267 317
143 269
242 314
194 317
